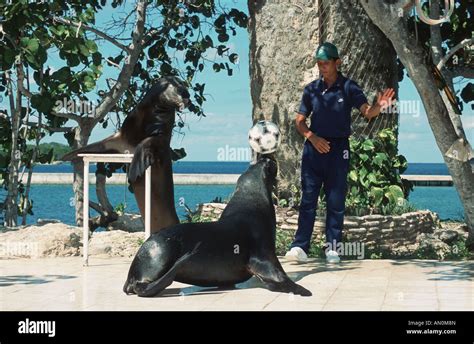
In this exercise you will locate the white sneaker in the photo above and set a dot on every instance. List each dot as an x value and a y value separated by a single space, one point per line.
296 253
332 257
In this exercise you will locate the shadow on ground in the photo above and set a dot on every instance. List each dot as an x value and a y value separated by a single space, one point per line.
304 269
6 281
450 270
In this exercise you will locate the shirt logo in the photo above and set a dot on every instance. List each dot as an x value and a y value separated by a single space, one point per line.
340 100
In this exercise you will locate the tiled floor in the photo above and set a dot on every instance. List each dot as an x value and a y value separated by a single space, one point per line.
64 284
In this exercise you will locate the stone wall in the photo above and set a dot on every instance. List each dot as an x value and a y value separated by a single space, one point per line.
375 231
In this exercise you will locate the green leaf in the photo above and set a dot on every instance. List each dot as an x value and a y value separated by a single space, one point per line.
467 94
97 58
371 178
73 60
41 103
84 50
394 194
30 44
377 194
233 57
63 74
41 56
223 37
368 145
91 46
8 57
165 68
380 159
353 175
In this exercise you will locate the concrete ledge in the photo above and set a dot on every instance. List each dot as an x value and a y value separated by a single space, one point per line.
209 179
120 178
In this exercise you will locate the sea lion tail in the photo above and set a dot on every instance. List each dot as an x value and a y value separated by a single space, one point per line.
153 288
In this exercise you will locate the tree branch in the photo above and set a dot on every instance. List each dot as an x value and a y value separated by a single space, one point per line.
52 129
135 48
96 207
68 115
94 30
461 45
435 33
21 87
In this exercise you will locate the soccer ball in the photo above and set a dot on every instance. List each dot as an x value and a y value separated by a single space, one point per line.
264 137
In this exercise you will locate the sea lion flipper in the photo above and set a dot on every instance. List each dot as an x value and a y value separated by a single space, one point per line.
271 273
143 157
111 144
153 288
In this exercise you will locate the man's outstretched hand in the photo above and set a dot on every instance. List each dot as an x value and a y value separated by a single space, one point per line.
385 98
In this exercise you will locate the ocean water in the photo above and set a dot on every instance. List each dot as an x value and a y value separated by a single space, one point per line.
56 201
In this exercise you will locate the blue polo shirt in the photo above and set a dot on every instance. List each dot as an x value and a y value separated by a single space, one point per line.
330 108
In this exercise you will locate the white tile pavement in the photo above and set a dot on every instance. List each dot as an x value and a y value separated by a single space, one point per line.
411 285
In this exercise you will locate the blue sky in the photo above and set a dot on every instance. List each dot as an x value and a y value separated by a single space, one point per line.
229 109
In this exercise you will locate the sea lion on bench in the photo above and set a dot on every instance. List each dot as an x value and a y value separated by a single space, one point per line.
146 133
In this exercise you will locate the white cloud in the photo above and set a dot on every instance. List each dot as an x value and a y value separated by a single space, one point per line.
408 136
467 121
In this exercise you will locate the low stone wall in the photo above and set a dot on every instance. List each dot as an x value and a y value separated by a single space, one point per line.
375 231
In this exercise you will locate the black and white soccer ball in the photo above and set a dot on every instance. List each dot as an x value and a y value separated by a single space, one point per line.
264 137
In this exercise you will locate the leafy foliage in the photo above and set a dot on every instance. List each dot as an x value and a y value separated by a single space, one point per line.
374 182
179 39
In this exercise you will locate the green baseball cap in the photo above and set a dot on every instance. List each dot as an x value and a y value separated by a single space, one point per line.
326 51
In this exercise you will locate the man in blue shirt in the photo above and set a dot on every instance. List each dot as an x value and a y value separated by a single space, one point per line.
325 163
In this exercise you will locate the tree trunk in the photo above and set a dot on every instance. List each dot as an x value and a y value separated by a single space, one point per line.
11 213
283 40
107 213
30 170
413 58
81 136
437 54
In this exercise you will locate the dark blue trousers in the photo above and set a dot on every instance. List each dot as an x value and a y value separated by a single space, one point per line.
327 170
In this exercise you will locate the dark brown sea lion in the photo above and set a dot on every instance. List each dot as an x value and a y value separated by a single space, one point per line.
146 133
241 244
